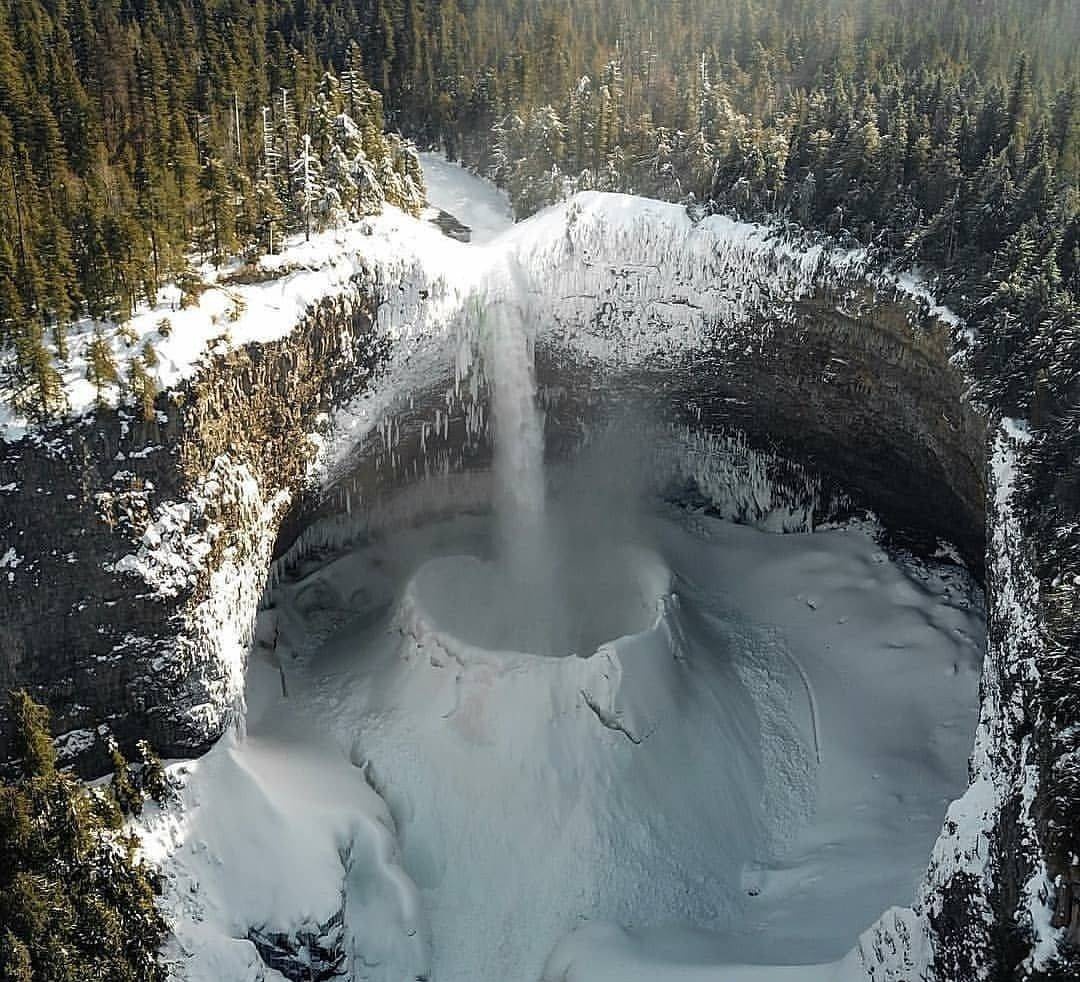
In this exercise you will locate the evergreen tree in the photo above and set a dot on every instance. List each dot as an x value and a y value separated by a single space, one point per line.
311 198
101 369
32 742
141 386
123 788
219 209
153 780
75 903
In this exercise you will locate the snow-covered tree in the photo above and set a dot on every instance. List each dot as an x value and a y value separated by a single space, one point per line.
310 190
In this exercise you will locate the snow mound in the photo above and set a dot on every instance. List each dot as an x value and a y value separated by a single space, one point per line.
491 759
744 774
277 837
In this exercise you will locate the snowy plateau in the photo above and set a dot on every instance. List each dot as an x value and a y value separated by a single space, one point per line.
585 735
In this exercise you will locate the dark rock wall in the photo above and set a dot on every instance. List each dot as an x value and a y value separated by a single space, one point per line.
864 397
102 646
867 398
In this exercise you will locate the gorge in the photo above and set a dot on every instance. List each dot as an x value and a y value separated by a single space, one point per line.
721 737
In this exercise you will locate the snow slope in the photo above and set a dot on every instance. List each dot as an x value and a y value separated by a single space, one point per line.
489 759
747 776
275 833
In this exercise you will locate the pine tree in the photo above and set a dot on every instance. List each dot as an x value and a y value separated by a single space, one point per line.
219 208
153 780
310 190
1019 108
15 964
101 368
1065 127
267 197
123 788
142 386
32 742
74 901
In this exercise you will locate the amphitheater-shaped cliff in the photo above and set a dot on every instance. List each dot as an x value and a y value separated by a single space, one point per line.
135 551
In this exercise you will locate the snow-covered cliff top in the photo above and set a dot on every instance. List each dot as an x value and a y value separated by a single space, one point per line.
664 278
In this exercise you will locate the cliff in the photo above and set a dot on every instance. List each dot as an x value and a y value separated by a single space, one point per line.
794 378
138 548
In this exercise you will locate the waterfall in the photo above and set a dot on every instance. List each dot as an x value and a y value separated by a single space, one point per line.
519 446
525 585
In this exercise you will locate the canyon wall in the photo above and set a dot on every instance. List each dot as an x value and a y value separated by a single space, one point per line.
133 553
137 549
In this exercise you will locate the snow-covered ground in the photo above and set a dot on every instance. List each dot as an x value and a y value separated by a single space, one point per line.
477 204
748 769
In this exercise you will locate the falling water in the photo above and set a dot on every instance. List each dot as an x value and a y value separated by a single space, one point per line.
524 584
519 445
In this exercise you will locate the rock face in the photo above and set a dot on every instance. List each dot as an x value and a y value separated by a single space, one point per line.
863 397
1001 895
134 553
140 544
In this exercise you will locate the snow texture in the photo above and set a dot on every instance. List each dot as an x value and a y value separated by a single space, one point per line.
10 561
840 685
613 281
278 835
480 206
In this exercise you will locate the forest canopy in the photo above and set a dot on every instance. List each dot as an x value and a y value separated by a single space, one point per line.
137 136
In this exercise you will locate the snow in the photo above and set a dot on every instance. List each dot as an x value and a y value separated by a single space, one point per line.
562 811
1016 603
170 552
913 283
735 479
278 834
473 202
614 281
1000 773
74 742
227 316
607 953
666 283
10 560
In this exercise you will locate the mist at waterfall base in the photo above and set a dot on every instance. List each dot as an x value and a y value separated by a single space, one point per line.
556 579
